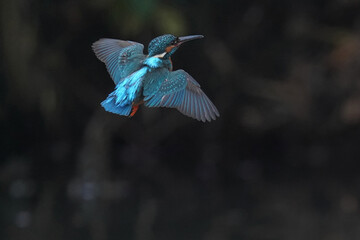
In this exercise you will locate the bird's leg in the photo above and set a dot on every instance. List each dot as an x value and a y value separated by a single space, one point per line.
134 109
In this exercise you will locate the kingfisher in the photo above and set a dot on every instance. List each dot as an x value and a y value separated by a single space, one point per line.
150 79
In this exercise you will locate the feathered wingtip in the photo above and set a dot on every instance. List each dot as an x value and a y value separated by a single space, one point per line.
198 106
109 104
104 47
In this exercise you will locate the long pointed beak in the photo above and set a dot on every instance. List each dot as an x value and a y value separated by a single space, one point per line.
189 38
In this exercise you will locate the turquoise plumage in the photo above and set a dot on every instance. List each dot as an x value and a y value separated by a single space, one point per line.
150 80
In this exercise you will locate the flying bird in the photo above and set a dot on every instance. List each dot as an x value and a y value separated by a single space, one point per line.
150 79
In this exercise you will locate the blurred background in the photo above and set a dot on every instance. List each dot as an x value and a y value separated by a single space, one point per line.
282 161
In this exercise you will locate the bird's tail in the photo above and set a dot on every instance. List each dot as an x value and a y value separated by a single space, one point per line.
110 105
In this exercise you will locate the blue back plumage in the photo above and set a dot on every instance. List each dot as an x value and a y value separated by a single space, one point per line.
154 80
125 93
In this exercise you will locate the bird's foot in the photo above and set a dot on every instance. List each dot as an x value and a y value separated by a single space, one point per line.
134 110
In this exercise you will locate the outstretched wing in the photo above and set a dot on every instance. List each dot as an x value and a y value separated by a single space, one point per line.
179 90
120 57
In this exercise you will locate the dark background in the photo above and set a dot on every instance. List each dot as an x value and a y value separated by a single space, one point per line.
282 161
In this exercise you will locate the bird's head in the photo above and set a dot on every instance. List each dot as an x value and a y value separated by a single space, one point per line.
164 46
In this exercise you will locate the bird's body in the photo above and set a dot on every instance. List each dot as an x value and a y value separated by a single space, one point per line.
149 80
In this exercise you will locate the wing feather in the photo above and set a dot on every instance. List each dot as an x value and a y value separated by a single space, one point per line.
120 57
179 90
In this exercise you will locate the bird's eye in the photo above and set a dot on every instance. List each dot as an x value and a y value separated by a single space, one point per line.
174 41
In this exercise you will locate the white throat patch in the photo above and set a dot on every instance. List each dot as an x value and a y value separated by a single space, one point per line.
160 55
